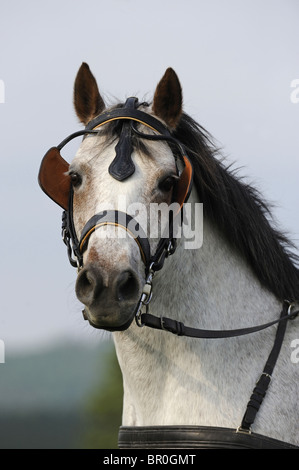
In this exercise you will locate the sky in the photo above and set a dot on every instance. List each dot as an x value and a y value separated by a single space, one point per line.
236 61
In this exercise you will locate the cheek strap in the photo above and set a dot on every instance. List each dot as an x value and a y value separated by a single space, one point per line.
53 178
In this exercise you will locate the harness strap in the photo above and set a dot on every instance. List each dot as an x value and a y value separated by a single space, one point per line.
194 437
289 312
261 387
127 113
69 235
178 328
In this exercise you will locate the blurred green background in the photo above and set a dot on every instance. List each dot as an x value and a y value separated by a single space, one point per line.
65 397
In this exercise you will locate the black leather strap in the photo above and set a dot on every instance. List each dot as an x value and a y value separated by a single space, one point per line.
194 437
69 235
131 114
178 328
122 165
261 387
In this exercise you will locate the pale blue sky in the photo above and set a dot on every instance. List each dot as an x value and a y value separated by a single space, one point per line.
236 61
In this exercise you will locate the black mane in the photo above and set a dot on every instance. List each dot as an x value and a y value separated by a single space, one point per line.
239 212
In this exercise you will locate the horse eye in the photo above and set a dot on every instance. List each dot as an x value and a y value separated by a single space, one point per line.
75 179
167 184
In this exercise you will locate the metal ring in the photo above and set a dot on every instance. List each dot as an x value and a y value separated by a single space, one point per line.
148 299
138 320
291 306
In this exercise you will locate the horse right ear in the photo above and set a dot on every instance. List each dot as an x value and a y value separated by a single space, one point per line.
167 102
87 99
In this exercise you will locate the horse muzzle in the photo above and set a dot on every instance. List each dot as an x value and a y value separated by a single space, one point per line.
110 299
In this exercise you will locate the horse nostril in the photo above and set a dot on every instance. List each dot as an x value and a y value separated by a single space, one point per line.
89 284
90 289
126 286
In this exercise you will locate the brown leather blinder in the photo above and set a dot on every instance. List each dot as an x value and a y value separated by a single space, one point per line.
53 178
55 182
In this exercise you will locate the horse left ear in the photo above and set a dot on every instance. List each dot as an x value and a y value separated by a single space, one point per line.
167 102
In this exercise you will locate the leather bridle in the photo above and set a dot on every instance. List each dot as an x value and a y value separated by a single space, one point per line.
55 182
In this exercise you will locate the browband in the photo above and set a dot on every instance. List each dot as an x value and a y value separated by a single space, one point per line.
128 113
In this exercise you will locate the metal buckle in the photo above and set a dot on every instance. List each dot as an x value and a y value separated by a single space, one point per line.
146 296
171 247
70 250
162 323
293 305
241 430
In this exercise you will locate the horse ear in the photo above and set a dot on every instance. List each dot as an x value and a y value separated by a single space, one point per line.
167 102
87 99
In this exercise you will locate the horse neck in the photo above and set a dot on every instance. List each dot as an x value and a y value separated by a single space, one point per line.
211 286
177 380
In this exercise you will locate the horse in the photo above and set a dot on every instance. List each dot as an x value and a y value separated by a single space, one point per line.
207 361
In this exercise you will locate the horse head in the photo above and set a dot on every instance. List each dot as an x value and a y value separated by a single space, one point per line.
125 166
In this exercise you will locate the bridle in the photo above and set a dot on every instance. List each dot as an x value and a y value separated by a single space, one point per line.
55 182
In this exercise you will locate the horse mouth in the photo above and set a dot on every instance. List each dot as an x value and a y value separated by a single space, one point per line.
108 322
